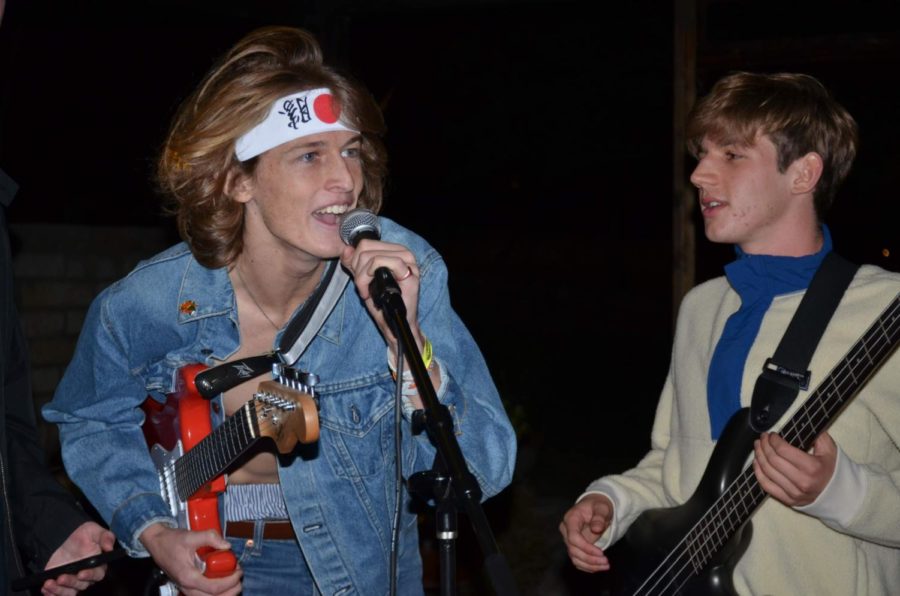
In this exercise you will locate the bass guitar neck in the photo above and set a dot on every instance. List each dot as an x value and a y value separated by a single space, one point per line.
692 548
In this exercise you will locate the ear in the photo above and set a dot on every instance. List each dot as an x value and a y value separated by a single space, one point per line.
805 173
238 185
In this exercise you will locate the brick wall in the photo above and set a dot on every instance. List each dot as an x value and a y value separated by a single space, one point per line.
58 270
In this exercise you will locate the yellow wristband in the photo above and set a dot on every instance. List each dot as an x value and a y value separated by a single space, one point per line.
427 359
427 354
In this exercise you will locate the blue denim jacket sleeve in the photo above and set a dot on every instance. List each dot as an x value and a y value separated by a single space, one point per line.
481 425
97 409
134 339
341 497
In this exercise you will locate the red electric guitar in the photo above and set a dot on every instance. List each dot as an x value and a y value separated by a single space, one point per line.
190 457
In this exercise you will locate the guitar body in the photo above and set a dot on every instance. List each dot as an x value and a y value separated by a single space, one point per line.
636 558
172 429
191 457
692 549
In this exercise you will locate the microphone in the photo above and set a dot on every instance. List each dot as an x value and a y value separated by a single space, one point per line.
359 224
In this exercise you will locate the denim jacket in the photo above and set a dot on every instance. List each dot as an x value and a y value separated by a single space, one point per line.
339 493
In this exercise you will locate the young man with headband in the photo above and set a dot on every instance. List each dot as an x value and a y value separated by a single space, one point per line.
772 151
261 162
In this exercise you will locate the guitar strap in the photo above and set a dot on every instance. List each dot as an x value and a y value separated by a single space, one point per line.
300 331
786 372
306 323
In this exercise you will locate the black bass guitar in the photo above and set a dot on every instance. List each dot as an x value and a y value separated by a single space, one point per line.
692 548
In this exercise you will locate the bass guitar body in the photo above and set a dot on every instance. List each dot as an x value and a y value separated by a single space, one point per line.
692 549
639 560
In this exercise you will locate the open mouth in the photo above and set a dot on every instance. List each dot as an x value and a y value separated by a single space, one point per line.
331 214
709 205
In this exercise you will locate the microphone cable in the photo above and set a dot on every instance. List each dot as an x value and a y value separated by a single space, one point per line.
398 474
357 224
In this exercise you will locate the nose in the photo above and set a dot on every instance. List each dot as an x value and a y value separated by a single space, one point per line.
703 174
340 175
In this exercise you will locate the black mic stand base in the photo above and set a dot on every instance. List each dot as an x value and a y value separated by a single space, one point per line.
434 485
447 533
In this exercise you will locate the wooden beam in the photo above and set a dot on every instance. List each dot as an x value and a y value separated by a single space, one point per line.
683 201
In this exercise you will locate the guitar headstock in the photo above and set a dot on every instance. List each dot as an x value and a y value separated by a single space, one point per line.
286 415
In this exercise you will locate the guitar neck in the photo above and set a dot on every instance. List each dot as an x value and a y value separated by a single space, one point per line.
845 380
738 502
218 450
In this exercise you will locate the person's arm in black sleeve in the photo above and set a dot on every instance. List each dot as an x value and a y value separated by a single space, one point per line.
43 512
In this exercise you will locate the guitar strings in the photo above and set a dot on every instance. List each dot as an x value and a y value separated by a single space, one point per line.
199 464
224 445
793 433
707 542
805 423
836 380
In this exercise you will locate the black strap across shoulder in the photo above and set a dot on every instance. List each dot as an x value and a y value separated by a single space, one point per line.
301 320
786 372
299 333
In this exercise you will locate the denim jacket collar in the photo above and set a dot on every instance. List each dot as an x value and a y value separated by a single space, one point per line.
204 293
208 293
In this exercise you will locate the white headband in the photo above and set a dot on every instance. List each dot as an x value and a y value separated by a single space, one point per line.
291 117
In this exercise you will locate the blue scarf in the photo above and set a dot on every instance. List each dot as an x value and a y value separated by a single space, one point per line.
757 279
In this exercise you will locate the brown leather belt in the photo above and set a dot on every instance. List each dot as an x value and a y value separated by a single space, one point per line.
273 530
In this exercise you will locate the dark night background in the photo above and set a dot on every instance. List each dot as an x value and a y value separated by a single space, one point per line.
530 141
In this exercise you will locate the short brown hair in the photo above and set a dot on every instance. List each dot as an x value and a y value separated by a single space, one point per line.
198 155
795 111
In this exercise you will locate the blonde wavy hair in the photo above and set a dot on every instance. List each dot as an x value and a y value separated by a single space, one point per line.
236 95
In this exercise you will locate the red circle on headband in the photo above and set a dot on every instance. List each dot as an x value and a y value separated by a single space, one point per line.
325 108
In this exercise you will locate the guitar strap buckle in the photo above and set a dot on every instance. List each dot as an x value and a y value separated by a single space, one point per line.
786 376
774 392
778 385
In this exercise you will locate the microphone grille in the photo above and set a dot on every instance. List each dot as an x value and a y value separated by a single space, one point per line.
357 221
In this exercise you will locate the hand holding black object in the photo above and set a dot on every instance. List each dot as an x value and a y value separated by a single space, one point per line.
37 579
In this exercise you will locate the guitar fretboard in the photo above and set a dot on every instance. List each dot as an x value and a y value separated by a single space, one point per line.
211 456
742 497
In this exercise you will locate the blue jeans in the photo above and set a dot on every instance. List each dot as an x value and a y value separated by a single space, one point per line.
272 566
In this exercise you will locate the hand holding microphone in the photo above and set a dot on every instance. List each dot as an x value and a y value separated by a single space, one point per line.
382 265
361 224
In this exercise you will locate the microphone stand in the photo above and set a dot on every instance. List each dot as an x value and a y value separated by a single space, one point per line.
452 483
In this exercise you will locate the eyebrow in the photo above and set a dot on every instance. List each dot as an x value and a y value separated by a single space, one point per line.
726 143
354 139
318 144
305 146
